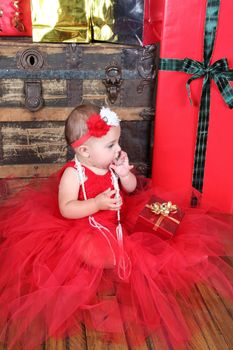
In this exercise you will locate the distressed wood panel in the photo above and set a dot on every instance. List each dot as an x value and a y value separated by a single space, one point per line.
132 93
45 114
30 142
74 89
60 114
139 92
94 87
12 92
134 138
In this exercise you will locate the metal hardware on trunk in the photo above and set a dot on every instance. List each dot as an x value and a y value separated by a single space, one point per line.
147 113
33 95
74 89
112 81
73 55
147 67
30 59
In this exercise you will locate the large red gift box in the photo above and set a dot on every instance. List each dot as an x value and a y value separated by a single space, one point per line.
153 18
176 123
160 218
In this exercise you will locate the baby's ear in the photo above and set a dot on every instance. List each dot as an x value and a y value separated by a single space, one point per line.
83 151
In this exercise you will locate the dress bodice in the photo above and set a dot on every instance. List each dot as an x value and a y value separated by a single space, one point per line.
94 185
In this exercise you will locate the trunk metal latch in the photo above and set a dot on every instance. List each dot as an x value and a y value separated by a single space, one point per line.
32 60
112 81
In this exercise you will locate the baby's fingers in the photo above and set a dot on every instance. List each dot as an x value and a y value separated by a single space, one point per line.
109 193
115 204
115 207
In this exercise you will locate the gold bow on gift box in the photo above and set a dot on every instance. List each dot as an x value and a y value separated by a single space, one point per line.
17 20
164 210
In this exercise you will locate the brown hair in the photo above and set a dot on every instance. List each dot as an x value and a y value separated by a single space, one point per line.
75 125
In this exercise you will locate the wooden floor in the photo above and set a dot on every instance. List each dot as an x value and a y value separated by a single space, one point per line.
218 335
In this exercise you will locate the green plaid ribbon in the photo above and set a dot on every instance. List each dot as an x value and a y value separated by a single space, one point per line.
218 71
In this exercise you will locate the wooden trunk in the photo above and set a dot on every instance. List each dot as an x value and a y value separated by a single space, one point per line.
41 83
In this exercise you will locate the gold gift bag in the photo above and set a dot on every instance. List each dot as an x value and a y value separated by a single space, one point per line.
103 20
61 20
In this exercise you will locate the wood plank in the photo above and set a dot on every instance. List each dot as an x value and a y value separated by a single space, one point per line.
58 47
212 338
132 336
54 344
13 46
130 96
29 170
94 88
61 113
157 341
77 342
222 318
195 323
45 114
11 90
33 142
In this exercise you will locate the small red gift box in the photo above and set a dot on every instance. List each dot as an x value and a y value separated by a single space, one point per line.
15 18
161 218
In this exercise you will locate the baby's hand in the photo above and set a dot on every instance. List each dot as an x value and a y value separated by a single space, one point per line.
121 165
106 201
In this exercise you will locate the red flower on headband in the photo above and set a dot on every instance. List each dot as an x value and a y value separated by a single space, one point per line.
97 126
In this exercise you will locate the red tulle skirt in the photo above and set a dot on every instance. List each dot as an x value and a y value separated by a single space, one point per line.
54 270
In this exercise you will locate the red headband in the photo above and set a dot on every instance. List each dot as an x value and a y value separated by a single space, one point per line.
97 127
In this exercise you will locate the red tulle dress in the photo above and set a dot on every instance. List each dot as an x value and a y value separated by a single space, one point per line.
54 270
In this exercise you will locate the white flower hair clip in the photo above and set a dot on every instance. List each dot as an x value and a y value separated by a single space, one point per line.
110 117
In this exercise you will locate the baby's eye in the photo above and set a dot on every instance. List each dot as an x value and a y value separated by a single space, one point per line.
111 145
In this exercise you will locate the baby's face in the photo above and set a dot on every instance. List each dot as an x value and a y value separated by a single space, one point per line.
105 150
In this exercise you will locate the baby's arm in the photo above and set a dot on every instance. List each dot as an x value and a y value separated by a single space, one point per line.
72 208
122 168
128 182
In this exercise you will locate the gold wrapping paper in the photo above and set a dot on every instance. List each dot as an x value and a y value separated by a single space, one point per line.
118 21
102 17
61 20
